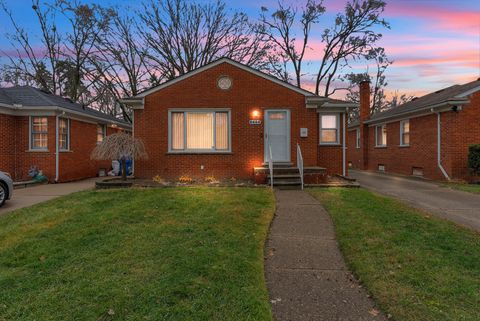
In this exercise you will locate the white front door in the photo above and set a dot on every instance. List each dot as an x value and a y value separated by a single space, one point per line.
277 134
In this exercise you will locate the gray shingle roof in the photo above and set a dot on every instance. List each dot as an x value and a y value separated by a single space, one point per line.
33 97
432 99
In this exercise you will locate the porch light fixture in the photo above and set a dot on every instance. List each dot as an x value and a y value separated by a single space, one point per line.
256 113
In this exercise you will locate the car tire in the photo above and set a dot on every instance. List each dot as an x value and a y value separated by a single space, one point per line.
3 193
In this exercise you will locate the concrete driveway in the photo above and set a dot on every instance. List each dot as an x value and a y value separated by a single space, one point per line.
460 207
29 196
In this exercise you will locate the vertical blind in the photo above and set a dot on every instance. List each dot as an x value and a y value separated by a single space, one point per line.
199 131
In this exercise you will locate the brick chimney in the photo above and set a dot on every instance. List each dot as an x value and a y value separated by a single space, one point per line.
364 100
364 115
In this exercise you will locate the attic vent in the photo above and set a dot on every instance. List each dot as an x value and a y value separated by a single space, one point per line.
414 98
439 91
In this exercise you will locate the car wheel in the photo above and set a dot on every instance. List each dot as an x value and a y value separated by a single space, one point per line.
3 194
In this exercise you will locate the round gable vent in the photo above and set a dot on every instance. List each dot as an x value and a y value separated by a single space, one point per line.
224 82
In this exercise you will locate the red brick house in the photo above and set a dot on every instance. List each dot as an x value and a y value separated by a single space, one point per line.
220 120
428 136
34 125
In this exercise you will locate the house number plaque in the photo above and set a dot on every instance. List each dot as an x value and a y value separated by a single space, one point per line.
255 122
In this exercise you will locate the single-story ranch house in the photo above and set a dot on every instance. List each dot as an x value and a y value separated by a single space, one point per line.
225 119
428 136
51 133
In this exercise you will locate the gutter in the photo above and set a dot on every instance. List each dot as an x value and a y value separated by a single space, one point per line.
427 109
439 148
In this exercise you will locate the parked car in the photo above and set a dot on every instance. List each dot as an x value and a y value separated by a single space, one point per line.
6 187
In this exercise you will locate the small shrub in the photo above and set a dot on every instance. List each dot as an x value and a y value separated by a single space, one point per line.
211 179
474 159
158 179
185 179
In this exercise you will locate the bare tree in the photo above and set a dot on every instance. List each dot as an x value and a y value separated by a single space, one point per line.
279 29
183 35
86 24
351 38
28 64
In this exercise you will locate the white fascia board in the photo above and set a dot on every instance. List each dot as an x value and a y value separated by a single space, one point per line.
341 105
468 92
135 103
216 63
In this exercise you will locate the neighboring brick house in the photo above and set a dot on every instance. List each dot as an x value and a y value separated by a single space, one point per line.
30 122
428 136
220 119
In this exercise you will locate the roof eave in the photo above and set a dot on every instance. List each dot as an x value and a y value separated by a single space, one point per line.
432 108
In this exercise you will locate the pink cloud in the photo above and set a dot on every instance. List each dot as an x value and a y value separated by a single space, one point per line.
443 18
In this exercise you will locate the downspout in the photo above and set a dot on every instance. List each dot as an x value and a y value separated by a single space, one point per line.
344 147
57 155
133 136
439 148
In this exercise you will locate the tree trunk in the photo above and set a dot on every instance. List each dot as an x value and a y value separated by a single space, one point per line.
124 169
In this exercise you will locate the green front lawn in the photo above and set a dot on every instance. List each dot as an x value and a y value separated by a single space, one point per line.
417 267
471 188
142 254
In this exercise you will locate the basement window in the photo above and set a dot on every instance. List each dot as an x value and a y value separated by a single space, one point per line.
199 131
381 168
417 171
38 133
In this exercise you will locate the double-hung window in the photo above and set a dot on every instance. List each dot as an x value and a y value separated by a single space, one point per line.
405 133
38 133
357 138
63 134
381 135
329 129
199 131
101 133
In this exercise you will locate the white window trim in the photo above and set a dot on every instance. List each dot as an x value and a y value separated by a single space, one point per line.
376 136
199 151
320 129
402 143
357 138
30 133
68 135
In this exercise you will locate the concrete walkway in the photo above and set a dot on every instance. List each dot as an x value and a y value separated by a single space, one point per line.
33 195
306 275
460 207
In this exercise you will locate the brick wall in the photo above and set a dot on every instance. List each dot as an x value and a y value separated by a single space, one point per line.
7 146
249 92
459 131
17 159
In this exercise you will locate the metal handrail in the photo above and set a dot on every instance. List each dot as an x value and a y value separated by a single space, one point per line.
300 162
270 163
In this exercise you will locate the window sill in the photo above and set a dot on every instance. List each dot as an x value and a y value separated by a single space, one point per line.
199 153
330 144
404 146
37 151
380 147
66 151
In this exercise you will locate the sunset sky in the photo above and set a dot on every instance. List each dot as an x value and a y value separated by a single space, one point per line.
434 43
